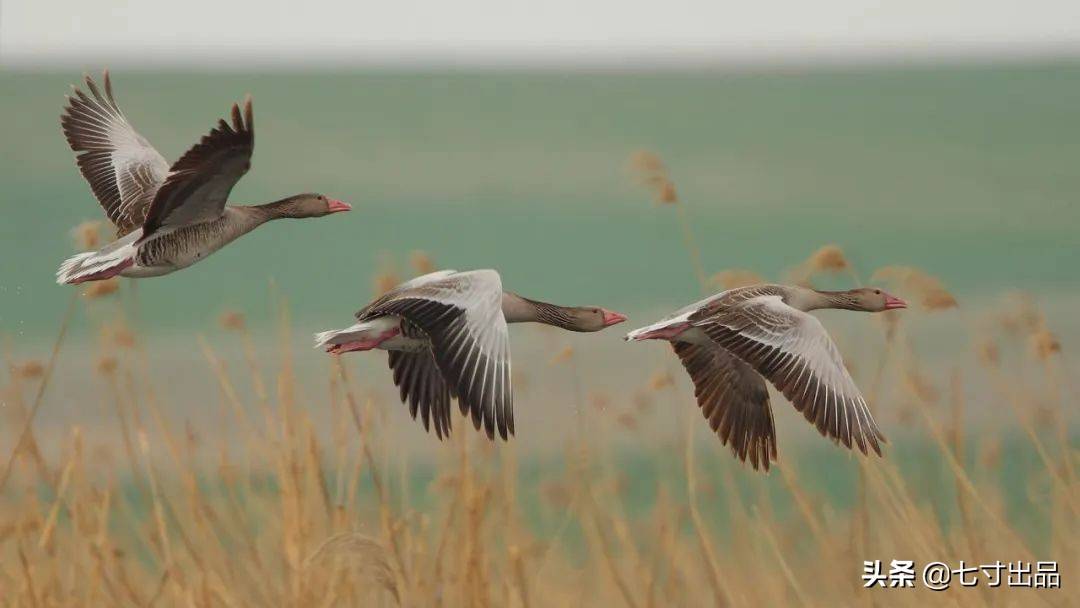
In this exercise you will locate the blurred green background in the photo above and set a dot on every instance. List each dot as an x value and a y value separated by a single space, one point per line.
969 173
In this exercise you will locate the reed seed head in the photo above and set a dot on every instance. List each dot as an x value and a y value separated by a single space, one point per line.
931 294
421 262
660 380
649 171
1044 344
87 235
106 365
987 352
232 320
28 369
829 258
562 356
118 335
101 289
730 279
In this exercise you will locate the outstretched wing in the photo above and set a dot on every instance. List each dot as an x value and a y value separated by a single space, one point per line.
793 351
124 171
422 387
461 314
734 399
198 185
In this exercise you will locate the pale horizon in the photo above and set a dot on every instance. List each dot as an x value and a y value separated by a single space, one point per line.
487 33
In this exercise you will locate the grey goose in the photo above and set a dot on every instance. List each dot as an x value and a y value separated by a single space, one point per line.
446 333
732 342
167 216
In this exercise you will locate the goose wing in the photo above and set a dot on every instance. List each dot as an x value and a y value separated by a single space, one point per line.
198 185
461 315
734 399
417 376
793 351
124 171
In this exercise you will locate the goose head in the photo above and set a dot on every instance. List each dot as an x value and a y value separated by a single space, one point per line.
872 299
591 318
310 205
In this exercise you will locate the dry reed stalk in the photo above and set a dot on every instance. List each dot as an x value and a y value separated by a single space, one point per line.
121 416
692 247
716 580
12 399
1060 481
228 390
376 478
778 552
49 367
964 481
159 511
61 490
802 501
651 173
604 545
371 557
517 569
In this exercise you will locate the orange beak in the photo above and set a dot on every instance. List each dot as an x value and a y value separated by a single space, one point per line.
892 302
337 206
613 318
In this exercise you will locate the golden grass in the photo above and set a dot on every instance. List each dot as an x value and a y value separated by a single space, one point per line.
269 512
278 516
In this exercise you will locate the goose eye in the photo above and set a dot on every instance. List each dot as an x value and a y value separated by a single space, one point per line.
877 291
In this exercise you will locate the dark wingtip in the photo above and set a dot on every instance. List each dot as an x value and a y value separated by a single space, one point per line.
875 446
249 114
108 85
237 120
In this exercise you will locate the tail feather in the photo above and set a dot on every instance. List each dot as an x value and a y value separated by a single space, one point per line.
94 266
354 332
323 338
337 336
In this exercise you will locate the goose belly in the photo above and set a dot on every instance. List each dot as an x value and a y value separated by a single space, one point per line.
409 337
184 246
137 271
404 343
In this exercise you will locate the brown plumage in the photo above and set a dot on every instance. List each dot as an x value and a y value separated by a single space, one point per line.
734 400
124 171
167 218
732 342
447 336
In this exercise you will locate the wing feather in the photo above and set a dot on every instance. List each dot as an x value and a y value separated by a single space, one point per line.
734 401
198 185
461 314
124 171
794 352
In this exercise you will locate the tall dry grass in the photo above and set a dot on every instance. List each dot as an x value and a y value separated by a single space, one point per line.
273 513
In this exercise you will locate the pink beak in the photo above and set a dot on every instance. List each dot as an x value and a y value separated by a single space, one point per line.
892 302
336 205
613 318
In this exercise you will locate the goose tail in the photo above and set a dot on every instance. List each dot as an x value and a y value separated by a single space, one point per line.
95 266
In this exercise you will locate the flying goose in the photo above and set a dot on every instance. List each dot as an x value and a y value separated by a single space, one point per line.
733 341
446 333
167 217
